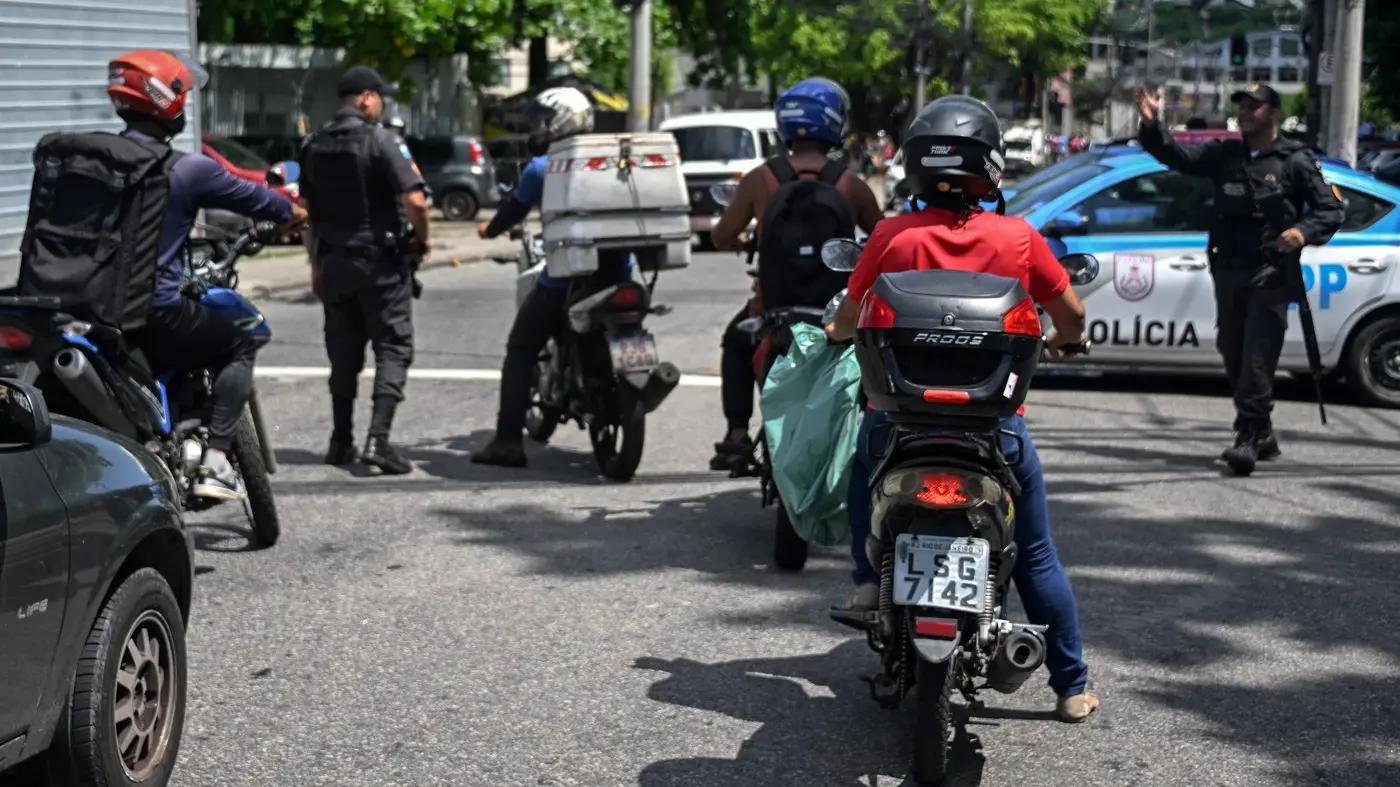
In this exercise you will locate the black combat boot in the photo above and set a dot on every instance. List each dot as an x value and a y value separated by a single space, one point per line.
378 452
1245 453
342 448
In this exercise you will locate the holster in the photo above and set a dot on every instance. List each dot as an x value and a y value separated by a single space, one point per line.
409 251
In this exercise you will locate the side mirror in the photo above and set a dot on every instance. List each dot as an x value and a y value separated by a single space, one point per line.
1082 268
24 417
829 314
1067 224
841 254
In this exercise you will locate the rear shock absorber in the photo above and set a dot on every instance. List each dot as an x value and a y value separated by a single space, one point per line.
986 617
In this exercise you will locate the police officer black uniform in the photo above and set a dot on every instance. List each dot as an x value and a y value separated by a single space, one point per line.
365 196
1270 200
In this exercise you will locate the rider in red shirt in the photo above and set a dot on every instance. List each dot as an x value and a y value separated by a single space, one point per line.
953 155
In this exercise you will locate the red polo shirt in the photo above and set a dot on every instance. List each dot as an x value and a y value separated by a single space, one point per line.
985 243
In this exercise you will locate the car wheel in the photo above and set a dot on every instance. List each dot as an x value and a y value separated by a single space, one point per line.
459 205
126 714
1373 364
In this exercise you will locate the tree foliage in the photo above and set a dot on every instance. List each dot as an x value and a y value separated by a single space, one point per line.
388 34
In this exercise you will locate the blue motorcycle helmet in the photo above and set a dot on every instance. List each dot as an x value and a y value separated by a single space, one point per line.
814 108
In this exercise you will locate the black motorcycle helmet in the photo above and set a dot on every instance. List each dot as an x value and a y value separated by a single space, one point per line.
954 150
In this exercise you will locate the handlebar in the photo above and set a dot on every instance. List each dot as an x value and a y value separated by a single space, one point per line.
225 251
775 318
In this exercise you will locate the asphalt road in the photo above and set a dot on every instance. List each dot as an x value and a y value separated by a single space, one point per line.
468 626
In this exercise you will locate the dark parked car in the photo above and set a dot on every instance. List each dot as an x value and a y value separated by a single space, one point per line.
460 173
96 570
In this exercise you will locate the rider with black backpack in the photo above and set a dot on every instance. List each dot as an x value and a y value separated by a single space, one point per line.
799 201
109 215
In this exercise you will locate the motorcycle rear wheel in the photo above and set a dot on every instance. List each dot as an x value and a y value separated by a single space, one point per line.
933 721
618 447
260 506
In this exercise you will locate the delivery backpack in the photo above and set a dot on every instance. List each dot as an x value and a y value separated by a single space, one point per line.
96 210
799 217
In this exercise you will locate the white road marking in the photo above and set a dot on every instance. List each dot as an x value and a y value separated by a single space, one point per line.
439 375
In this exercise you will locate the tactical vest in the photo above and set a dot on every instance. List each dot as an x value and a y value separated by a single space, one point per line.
1255 190
348 209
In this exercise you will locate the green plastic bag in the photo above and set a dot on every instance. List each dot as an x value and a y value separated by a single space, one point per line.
811 407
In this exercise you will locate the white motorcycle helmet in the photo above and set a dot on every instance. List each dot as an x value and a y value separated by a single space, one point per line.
560 112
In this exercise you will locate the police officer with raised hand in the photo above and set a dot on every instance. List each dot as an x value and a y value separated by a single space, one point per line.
1270 200
365 196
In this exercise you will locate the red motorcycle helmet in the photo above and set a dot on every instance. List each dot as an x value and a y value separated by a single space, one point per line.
153 83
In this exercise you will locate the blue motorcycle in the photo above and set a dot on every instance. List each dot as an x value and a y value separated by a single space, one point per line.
88 372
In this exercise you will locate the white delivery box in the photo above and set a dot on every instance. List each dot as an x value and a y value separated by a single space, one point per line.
615 191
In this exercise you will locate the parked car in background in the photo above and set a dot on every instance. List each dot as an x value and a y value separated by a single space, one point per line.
271 147
247 164
459 171
96 574
511 156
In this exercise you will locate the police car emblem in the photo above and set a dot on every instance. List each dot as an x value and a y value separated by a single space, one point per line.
1133 275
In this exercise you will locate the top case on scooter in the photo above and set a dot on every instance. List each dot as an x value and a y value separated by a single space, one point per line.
947 345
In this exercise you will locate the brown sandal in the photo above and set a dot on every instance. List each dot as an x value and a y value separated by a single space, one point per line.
1073 710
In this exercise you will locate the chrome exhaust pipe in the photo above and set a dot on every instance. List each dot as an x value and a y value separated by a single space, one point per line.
1020 655
81 379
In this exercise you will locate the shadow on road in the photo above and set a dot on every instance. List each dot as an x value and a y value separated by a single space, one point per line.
819 725
1272 632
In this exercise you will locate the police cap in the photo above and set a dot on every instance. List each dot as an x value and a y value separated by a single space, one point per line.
358 79
1259 92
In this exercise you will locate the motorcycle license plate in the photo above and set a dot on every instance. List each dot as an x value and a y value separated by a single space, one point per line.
936 571
633 353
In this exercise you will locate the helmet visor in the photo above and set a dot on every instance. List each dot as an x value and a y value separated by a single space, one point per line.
198 75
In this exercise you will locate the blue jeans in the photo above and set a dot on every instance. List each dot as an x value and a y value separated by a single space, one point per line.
1040 579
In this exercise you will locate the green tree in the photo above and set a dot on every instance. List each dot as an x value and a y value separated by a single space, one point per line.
387 34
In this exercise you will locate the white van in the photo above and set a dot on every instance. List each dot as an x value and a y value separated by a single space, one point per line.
717 149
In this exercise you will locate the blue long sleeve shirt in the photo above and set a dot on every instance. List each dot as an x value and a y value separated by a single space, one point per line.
198 182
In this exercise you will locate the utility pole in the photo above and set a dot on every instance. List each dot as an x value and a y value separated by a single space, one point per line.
967 47
1346 92
920 53
639 69
1328 44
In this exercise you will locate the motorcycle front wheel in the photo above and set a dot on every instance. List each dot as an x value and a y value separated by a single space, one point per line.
617 447
247 459
933 720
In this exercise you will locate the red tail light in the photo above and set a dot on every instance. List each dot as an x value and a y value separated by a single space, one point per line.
875 313
942 489
1022 319
12 338
626 298
478 153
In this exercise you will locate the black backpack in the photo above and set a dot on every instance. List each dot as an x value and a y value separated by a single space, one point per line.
799 217
96 210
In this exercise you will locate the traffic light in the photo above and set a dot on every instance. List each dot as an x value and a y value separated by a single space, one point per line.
1239 47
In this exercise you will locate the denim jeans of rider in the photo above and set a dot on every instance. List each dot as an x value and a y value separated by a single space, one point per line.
1039 577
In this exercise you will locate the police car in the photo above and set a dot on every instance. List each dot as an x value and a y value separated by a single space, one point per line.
1152 301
